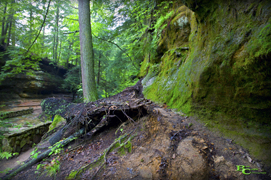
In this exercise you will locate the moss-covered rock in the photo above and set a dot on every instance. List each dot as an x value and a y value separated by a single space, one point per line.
225 66
215 62
58 120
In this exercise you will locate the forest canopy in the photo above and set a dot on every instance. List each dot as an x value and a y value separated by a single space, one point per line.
36 29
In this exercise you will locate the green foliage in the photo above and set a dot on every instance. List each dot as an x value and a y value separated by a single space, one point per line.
53 168
58 147
72 81
6 155
34 154
6 171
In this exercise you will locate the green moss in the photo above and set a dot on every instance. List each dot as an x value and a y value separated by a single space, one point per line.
57 120
144 67
22 143
225 75
129 146
72 174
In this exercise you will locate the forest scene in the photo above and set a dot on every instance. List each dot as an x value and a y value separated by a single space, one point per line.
135 89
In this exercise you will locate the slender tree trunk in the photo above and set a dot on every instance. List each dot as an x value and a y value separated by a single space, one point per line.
31 21
54 40
5 34
43 32
99 69
3 25
43 38
10 23
57 21
77 58
87 54
13 34
59 54
9 33
69 54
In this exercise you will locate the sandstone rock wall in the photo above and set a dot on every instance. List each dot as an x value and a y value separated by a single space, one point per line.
214 56
213 61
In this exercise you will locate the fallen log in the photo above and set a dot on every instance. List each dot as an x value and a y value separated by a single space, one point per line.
43 155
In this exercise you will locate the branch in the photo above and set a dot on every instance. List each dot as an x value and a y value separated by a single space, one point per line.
71 32
70 18
74 7
40 27
118 47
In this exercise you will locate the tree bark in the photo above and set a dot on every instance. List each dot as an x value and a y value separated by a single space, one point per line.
56 27
99 69
3 25
31 20
10 23
87 54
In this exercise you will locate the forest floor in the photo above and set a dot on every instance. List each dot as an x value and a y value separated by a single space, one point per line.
165 145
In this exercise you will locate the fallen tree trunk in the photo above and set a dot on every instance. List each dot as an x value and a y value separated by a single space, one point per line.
44 154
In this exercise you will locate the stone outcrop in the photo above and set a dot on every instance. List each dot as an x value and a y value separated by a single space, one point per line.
213 60
45 81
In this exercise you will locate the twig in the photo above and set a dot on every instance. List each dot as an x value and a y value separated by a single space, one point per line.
119 48
70 18
127 116
105 155
71 32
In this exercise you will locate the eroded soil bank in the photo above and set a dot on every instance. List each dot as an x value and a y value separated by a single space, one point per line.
165 145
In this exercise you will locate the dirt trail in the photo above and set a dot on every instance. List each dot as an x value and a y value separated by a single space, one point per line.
12 163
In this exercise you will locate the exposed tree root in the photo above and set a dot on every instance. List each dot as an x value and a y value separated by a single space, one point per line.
104 155
90 118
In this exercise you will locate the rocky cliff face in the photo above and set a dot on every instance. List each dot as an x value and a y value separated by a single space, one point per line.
46 81
213 59
214 55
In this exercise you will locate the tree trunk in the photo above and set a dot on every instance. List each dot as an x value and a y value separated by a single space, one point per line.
10 23
69 54
31 21
77 58
54 41
57 21
59 54
43 31
3 25
99 69
87 54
